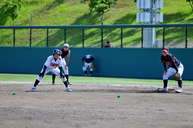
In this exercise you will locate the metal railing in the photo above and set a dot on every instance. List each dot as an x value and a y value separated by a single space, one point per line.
102 27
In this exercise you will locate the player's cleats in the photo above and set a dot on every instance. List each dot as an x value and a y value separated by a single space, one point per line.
68 89
162 89
33 89
85 75
53 83
179 90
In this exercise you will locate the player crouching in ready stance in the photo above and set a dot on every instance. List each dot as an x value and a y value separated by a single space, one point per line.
176 68
88 62
64 52
52 63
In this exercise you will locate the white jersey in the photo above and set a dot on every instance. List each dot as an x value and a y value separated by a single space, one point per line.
51 63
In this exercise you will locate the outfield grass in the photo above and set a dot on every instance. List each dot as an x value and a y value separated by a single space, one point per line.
81 79
72 12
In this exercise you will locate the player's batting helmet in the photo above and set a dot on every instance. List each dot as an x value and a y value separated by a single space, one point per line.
66 45
56 51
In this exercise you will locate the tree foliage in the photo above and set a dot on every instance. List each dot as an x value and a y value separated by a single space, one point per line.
100 6
11 9
191 3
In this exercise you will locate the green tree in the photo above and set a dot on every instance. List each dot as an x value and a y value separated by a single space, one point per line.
191 3
11 9
100 6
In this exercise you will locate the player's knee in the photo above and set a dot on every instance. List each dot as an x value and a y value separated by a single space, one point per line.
91 69
66 72
39 78
63 79
165 77
84 69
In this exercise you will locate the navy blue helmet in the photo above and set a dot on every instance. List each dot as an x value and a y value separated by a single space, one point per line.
56 51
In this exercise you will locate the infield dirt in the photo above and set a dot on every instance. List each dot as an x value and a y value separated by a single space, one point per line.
94 106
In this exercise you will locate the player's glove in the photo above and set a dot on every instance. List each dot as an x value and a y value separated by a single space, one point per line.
91 66
177 76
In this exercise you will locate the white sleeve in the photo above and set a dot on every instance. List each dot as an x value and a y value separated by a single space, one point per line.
47 63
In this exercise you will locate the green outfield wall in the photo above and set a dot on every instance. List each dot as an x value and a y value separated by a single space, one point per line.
110 62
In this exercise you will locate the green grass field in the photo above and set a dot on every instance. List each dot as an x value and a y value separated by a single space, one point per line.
80 79
72 12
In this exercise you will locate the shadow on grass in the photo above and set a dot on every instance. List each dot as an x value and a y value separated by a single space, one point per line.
174 35
73 35
47 7
93 35
176 17
127 19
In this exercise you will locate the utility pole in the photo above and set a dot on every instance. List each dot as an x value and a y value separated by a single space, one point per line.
150 14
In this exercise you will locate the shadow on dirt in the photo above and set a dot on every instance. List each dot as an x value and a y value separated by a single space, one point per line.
122 91
171 91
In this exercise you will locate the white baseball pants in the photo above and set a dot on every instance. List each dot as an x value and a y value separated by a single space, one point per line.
63 67
55 71
86 66
172 71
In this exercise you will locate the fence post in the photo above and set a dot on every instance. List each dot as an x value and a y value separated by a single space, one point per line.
83 37
30 38
186 44
102 37
141 37
163 36
47 37
14 37
64 35
121 37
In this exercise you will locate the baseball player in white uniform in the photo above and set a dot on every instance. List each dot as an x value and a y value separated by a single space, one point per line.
88 62
53 64
65 52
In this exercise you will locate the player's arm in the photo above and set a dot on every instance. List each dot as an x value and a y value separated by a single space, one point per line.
173 63
93 60
60 67
164 64
165 67
61 74
46 64
83 61
43 72
68 58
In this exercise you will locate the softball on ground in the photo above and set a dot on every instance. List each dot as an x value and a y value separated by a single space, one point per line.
119 96
13 93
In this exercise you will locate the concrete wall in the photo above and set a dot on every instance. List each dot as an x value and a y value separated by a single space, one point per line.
110 62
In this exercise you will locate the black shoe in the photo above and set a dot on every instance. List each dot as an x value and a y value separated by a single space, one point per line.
53 83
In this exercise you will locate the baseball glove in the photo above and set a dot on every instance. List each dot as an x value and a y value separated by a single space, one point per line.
91 66
177 76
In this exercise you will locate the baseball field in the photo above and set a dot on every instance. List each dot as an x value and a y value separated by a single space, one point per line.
93 103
